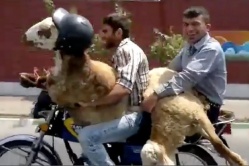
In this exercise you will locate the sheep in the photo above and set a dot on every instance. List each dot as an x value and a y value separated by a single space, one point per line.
74 80
172 120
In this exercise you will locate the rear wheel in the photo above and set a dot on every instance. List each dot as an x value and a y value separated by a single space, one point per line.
44 157
195 152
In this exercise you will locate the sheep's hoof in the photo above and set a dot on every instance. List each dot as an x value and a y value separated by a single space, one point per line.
239 161
242 163
148 155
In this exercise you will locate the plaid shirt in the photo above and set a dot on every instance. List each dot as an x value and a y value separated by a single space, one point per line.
132 66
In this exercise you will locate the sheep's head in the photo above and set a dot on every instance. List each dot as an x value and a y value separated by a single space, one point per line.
42 35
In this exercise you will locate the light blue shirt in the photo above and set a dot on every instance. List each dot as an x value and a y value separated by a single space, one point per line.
205 71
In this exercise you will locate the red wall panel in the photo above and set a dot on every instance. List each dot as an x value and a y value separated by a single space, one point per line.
18 15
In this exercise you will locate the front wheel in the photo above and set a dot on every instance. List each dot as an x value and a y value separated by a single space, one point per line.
197 153
44 157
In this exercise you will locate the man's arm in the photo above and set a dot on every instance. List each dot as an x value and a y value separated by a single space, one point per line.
126 77
202 64
176 63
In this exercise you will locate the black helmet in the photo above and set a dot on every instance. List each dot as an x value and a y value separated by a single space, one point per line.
75 32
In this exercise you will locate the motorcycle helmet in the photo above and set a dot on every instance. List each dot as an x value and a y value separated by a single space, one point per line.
75 33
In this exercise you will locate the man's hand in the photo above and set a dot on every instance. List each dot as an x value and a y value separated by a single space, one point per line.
34 79
149 103
27 80
117 93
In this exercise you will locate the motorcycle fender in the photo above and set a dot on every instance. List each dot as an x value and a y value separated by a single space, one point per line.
188 147
31 138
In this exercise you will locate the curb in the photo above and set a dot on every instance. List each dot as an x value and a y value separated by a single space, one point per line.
14 116
240 125
20 122
25 122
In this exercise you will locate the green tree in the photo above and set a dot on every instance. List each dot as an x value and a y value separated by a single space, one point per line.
97 51
165 46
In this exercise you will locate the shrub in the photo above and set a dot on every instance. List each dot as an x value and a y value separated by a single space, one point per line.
165 47
97 51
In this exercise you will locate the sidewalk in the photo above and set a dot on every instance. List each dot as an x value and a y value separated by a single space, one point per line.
14 112
239 107
21 107
16 106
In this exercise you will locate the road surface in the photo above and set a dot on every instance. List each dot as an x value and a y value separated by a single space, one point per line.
11 106
238 141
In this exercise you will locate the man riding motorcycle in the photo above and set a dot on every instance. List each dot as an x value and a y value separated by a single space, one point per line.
200 65
132 67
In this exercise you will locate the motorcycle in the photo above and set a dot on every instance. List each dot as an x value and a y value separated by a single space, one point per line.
122 153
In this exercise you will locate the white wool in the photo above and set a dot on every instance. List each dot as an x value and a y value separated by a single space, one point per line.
58 63
149 155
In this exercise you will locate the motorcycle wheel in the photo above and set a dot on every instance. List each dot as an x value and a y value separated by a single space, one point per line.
47 157
196 152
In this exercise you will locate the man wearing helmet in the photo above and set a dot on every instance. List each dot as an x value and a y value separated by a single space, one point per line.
75 36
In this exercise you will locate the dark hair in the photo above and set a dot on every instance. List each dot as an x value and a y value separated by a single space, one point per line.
196 11
116 21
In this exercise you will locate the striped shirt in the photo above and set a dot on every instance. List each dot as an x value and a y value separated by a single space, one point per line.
132 66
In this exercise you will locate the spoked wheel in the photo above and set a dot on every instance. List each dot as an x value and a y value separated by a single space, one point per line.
12 152
194 155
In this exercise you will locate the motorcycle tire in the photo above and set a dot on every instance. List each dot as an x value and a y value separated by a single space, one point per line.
8 146
200 153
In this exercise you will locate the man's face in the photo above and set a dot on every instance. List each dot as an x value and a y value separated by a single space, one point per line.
194 28
109 38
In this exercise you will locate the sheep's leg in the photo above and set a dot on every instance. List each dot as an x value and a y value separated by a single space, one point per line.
209 132
205 135
153 153
149 153
156 151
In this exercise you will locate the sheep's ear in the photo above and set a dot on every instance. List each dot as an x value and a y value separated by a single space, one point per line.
73 10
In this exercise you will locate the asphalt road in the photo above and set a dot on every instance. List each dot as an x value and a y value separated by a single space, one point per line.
18 106
238 141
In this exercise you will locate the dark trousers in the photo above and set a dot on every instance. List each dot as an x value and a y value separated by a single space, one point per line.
213 114
43 103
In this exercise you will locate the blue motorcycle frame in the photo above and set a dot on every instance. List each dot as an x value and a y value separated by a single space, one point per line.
56 125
